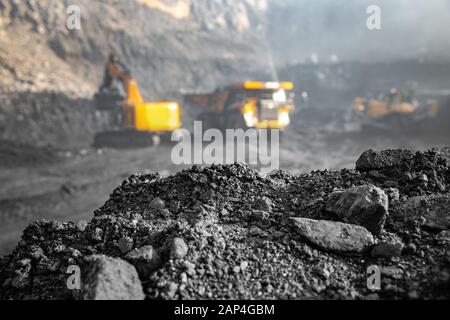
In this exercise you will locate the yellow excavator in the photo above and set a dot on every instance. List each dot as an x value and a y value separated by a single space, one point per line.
250 104
137 123
396 108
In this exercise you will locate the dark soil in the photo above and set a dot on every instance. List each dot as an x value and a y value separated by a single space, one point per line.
13 154
241 243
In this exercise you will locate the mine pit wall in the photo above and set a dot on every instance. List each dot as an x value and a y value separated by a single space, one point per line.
49 119
165 54
46 90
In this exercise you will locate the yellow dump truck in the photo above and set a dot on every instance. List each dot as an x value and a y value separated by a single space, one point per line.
138 123
250 104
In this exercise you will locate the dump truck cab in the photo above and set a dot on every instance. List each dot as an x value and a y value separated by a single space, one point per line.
251 104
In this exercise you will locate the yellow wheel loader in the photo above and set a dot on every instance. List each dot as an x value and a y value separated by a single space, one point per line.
138 123
251 104
396 109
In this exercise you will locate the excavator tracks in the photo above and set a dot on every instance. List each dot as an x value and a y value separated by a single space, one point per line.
126 139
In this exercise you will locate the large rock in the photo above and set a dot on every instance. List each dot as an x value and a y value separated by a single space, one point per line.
413 173
364 205
106 278
145 259
334 236
376 160
179 249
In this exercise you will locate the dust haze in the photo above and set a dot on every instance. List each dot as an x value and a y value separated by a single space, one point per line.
86 110
411 29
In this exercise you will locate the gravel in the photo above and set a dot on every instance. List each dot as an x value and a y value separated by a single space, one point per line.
226 232
390 246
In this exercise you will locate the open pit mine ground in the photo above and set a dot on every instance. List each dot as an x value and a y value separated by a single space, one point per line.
227 232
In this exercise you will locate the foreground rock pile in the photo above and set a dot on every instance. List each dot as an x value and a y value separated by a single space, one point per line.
225 232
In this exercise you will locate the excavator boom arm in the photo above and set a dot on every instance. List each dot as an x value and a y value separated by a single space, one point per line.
115 71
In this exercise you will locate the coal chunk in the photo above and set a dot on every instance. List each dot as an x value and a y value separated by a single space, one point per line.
145 259
389 247
365 205
179 249
106 278
334 236
373 160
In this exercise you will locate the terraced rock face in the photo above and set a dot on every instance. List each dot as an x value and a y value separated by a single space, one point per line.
185 45
228 232
49 73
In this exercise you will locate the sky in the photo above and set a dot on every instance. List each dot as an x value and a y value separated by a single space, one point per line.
337 29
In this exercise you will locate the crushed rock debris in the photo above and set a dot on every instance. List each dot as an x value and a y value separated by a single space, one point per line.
226 232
